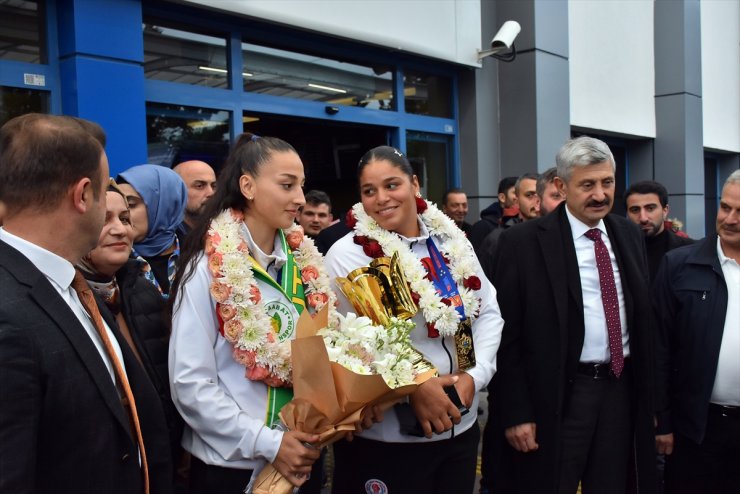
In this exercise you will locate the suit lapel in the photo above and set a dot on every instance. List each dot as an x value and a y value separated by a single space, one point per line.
625 260
557 249
47 298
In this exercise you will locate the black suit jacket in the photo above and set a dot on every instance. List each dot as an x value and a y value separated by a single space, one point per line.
539 293
62 425
690 303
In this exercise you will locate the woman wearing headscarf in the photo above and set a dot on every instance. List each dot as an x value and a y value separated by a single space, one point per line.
157 197
138 307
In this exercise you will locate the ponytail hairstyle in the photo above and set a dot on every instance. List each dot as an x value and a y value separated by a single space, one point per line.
249 154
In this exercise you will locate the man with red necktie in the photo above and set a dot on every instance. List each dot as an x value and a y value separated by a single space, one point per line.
572 398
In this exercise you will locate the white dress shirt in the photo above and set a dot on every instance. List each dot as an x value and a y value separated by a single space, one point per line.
726 389
60 273
345 256
224 411
596 338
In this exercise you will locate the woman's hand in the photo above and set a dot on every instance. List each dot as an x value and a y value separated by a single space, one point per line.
465 388
433 408
294 459
371 415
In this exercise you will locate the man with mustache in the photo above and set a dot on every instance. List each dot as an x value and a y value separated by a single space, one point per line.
695 302
647 207
572 397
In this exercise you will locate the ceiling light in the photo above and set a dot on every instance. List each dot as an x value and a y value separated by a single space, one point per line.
222 71
328 88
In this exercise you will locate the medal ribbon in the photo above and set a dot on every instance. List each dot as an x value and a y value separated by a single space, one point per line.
292 287
442 279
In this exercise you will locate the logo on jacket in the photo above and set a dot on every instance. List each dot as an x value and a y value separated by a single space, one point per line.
282 319
375 486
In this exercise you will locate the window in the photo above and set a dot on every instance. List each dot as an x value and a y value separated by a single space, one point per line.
22 31
176 55
180 133
426 94
429 156
17 101
309 77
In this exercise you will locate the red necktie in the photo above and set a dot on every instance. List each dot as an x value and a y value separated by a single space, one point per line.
88 302
609 299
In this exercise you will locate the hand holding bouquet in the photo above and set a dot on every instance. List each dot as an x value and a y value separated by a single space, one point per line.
338 373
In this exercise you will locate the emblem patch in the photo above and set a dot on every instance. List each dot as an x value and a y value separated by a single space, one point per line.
283 321
375 486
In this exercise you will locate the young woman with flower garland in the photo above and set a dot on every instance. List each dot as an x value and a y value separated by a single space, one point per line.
392 218
245 274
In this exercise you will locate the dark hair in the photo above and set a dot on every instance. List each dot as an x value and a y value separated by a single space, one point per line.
526 176
317 197
247 156
545 178
506 183
387 153
41 156
648 187
453 190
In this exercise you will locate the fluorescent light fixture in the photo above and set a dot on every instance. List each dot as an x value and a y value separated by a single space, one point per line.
221 71
213 69
328 88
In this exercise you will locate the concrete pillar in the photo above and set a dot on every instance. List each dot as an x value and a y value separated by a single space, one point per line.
679 153
534 96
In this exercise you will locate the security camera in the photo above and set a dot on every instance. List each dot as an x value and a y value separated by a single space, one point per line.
505 36
504 40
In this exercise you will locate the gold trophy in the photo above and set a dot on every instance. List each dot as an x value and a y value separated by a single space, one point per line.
380 291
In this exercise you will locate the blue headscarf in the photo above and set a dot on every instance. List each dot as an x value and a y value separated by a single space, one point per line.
165 196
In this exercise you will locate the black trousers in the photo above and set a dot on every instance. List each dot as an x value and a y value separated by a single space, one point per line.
710 467
597 435
441 467
207 479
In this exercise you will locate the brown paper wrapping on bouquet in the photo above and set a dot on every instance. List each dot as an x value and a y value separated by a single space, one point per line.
328 399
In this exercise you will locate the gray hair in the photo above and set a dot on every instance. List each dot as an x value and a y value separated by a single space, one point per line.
545 178
582 151
733 178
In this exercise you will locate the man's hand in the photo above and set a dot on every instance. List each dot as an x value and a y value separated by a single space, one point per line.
664 444
522 437
432 407
294 459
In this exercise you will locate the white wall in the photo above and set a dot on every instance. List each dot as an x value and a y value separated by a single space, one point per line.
612 74
443 29
720 73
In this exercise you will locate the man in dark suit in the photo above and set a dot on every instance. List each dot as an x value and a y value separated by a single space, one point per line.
63 424
696 294
572 395
647 206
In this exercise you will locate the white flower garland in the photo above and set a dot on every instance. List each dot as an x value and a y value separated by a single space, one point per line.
240 308
454 246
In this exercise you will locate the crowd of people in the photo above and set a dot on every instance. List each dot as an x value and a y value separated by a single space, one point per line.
146 320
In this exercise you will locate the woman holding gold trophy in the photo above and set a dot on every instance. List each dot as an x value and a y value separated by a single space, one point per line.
428 444
245 275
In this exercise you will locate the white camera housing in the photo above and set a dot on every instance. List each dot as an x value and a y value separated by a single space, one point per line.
506 35
503 42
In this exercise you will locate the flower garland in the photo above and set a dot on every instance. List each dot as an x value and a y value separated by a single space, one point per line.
242 317
440 314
